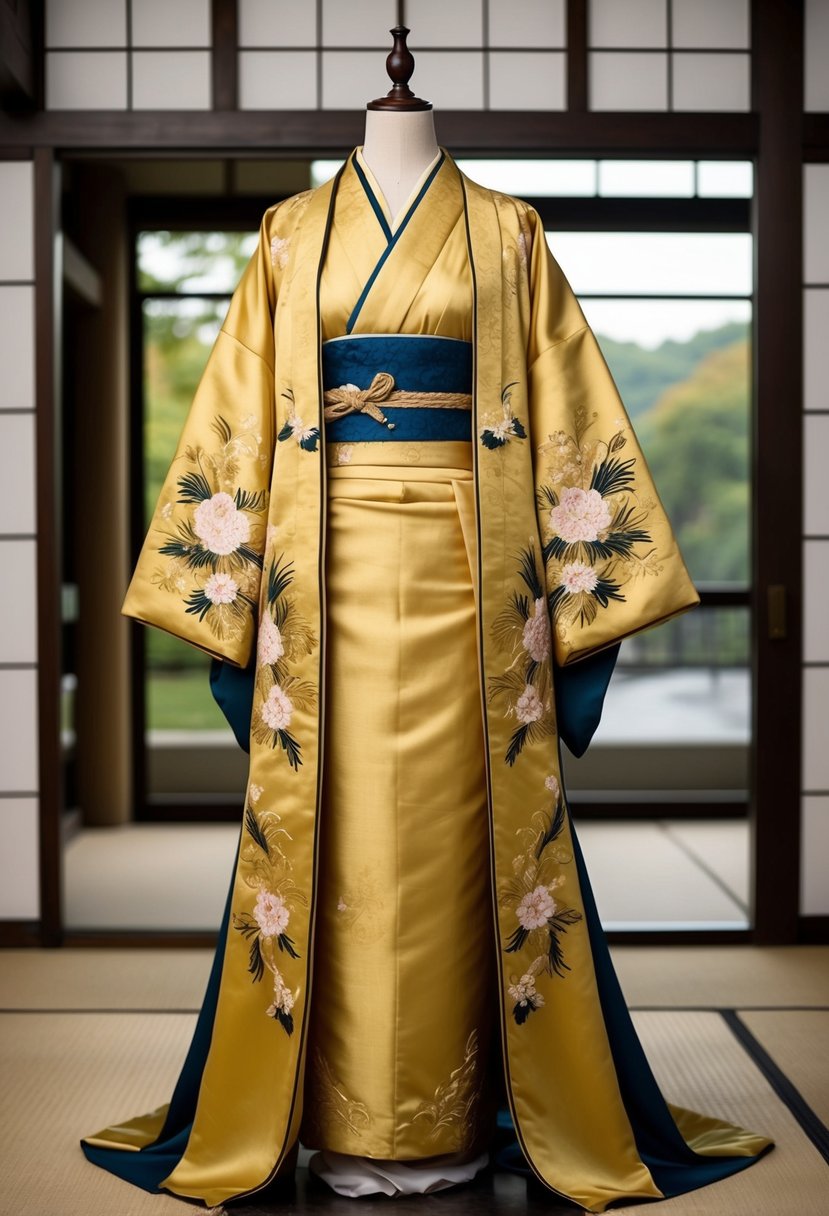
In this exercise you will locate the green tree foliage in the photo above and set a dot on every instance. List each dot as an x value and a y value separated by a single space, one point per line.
696 440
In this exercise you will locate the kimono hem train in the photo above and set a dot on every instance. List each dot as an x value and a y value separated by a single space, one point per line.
410 520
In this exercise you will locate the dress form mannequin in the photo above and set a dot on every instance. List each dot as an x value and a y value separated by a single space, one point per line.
400 143
399 149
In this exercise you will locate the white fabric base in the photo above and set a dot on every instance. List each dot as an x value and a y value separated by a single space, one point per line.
354 1176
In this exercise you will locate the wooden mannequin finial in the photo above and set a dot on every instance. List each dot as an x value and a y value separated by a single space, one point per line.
400 66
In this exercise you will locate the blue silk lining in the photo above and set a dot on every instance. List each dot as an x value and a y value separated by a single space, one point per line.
419 363
147 1167
580 690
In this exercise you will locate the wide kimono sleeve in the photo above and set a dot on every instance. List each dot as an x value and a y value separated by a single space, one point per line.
612 563
199 569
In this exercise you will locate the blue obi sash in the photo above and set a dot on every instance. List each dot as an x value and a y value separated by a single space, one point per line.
421 364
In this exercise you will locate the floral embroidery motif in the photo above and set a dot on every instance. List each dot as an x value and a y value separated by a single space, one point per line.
284 636
594 522
498 430
541 917
305 436
215 551
455 1100
360 907
331 1104
279 251
523 629
265 867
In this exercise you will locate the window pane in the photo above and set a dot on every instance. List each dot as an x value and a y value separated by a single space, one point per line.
647 178
193 261
684 376
725 179
534 178
178 336
640 263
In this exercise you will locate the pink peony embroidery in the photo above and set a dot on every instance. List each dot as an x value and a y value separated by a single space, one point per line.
221 588
271 913
580 515
270 646
578 576
279 251
536 639
220 524
536 908
529 706
551 783
277 709
524 992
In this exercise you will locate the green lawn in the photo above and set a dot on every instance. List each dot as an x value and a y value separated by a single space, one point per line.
182 701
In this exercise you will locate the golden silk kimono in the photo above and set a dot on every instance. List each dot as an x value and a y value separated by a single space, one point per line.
408 501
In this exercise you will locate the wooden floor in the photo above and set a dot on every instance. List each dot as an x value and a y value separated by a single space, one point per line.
92 1036
666 873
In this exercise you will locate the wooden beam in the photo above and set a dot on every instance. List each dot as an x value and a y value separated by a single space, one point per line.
290 133
80 276
48 497
777 469
225 23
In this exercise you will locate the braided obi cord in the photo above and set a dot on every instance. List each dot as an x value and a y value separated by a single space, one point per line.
348 399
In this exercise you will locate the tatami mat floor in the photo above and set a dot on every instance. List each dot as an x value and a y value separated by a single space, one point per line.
92 1036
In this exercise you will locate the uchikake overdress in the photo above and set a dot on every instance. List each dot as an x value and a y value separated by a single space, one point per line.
409 518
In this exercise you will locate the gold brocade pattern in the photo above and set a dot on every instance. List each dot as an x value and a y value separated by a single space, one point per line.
455 1101
334 1109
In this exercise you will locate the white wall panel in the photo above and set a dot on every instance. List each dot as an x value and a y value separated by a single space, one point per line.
277 80
171 80
816 603
86 80
816 223
358 22
351 78
711 82
171 23
17 354
710 23
18 738
270 23
815 715
814 856
18 602
527 80
527 23
627 23
17 473
436 23
815 331
626 80
16 231
86 23
451 80
19 861
816 54
816 482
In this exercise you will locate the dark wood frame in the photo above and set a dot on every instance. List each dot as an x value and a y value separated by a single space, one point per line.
775 134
